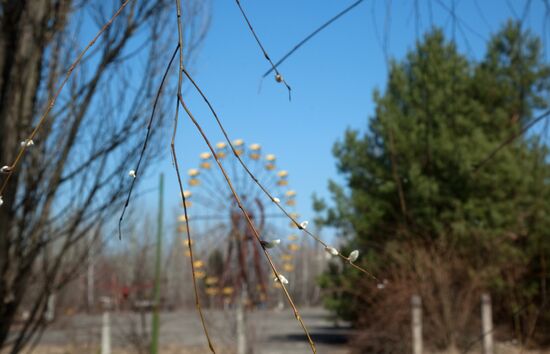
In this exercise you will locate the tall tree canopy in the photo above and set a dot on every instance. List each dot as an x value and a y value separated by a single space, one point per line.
416 193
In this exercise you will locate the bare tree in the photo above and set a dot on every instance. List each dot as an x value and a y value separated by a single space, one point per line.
71 181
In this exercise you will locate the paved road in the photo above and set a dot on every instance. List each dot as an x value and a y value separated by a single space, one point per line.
270 332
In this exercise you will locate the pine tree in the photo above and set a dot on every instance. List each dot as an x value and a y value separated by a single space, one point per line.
414 178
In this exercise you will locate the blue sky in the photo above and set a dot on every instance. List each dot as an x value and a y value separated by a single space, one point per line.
332 77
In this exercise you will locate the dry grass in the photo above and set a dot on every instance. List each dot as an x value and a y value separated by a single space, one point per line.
500 348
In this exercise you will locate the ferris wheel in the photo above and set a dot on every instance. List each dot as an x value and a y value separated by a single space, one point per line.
230 258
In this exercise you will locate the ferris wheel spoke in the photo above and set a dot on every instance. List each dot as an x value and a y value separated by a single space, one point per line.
220 188
239 144
253 186
231 165
205 203
238 179
209 203
211 187
212 238
271 184
250 194
208 217
253 163
244 185
274 216
261 173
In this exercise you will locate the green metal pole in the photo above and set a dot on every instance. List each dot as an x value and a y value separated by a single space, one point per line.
156 304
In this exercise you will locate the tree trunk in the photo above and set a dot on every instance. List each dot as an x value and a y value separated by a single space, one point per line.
26 29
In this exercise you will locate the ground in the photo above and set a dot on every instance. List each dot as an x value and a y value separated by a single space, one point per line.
270 332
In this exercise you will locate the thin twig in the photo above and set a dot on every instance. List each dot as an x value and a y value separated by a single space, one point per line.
250 224
190 248
182 193
56 95
510 140
149 128
262 187
311 35
278 76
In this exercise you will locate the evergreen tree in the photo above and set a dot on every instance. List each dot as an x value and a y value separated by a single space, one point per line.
414 179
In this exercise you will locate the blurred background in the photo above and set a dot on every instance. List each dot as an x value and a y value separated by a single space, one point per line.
415 132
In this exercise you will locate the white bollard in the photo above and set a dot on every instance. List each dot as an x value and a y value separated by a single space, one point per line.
90 282
416 304
487 324
106 334
241 322
49 316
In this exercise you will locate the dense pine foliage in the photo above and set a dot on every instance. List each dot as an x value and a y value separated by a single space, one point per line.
430 216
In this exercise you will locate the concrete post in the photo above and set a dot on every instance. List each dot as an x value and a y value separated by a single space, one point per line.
241 322
416 304
90 282
487 324
106 334
49 316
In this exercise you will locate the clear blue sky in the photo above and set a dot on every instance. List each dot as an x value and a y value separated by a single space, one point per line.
332 77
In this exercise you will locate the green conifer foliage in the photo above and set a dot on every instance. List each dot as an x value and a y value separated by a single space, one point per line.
413 179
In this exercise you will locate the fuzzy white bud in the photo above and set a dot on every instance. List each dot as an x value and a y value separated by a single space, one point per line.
331 250
27 142
353 256
270 244
132 173
276 200
282 278
304 224
1 200
5 169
